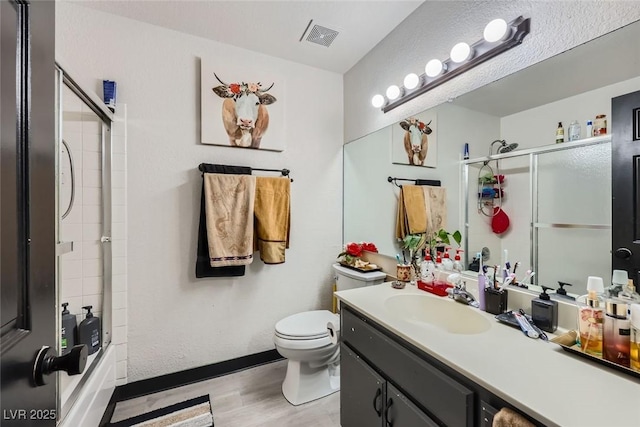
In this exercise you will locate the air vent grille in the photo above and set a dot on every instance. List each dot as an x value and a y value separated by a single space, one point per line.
321 35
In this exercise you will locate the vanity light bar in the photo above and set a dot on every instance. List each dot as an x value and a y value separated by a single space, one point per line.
481 51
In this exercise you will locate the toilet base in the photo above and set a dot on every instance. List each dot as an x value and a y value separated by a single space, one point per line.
302 383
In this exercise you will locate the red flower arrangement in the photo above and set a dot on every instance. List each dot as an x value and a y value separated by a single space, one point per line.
353 251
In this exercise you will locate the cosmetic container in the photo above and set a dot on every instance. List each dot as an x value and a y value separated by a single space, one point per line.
544 311
629 293
634 348
590 324
619 280
616 336
89 331
69 330
574 131
559 133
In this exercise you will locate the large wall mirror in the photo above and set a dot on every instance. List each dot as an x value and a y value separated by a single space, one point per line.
560 220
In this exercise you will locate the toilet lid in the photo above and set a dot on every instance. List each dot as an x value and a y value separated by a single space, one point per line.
308 325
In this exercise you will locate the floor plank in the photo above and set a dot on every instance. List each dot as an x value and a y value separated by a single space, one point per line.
249 398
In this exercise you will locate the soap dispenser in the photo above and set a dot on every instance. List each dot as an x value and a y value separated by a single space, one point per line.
447 264
544 311
69 330
89 331
457 264
427 269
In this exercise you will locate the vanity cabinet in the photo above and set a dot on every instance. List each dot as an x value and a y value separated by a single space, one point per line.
385 381
367 399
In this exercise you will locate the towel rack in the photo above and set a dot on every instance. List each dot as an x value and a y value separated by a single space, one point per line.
284 172
431 182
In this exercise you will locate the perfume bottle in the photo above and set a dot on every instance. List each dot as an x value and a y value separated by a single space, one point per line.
635 337
616 341
590 323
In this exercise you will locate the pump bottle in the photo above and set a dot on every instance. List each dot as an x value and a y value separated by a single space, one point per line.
447 264
69 330
544 311
89 331
427 269
457 264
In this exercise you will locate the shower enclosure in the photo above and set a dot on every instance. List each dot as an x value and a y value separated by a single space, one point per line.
83 225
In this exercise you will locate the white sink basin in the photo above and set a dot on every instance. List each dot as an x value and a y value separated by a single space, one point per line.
452 317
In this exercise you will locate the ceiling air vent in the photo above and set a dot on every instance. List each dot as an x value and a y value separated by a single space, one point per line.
321 35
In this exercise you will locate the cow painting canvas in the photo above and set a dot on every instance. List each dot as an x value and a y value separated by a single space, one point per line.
414 141
241 109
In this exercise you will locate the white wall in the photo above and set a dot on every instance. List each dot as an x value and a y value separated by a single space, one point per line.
176 322
436 26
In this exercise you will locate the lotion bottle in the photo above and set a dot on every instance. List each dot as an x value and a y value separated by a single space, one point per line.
635 337
427 269
590 323
617 333
447 264
544 311
457 263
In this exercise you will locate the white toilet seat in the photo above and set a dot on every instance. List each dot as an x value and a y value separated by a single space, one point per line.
301 344
307 325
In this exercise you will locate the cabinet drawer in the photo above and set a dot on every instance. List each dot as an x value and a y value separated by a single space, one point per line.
444 398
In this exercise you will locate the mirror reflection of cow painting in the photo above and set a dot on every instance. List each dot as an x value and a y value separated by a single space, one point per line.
416 142
244 112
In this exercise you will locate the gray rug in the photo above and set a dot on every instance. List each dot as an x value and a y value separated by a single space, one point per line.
190 413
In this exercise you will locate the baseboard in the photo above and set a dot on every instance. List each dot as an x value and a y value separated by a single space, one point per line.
190 376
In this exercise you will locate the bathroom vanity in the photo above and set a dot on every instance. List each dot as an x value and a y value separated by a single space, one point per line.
409 358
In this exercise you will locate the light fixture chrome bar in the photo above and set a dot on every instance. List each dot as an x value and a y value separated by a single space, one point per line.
484 51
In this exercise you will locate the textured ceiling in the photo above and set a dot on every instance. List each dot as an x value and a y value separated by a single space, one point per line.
274 27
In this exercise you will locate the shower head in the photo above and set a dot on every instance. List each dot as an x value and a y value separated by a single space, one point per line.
503 148
507 148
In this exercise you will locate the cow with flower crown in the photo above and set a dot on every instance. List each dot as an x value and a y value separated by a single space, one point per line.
244 112
416 143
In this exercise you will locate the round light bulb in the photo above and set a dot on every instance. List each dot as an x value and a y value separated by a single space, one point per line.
411 81
461 52
377 101
496 30
393 92
434 68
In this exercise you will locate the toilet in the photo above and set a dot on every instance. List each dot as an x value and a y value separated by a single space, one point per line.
312 350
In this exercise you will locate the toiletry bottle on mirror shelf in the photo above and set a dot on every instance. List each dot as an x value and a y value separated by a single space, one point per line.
574 131
589 128
559 133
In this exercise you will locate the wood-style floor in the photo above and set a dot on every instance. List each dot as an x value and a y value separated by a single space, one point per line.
250 398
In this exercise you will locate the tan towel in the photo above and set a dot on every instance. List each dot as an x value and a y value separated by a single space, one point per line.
229 201
412 215
435 200
510 418
272 218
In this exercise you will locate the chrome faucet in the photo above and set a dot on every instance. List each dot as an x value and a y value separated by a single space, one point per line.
459 291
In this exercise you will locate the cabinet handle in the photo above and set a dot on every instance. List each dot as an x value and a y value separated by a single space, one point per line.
375 401
386 413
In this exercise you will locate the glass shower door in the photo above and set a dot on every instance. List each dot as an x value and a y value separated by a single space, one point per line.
83 229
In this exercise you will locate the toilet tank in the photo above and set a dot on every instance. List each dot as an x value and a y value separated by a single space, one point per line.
347 278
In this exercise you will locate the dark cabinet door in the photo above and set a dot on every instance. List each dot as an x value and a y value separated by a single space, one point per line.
362 392
27 209
625 184
400 412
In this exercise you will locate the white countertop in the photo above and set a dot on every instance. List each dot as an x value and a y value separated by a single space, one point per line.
539 378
